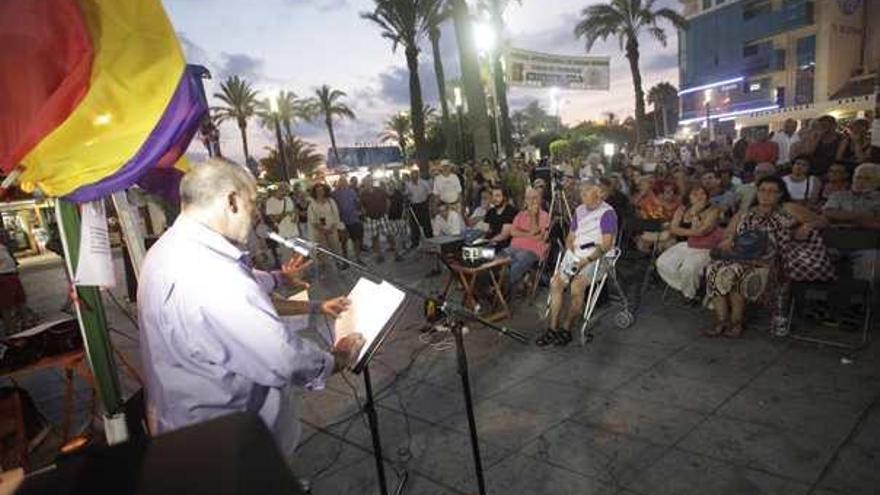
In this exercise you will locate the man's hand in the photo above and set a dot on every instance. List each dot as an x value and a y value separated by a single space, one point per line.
294 269
335 307
346 351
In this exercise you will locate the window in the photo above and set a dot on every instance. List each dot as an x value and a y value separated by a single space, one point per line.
755 8
806 70
780 59
750 51
707 4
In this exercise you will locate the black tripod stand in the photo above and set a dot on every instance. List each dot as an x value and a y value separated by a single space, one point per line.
456 317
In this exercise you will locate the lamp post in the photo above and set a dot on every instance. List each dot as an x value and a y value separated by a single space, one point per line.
486 38
281 155
459 104
554 106
708 100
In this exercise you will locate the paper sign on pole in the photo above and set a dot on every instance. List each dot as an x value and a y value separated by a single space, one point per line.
95 266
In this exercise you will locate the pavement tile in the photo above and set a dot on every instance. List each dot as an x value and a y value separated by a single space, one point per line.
729 362
684 473
814 416
322 455
868 433
632 355
855 471
608 456
424 401
786 453
508 427
581 372
686 393
523 475
659 423
320 408
546 397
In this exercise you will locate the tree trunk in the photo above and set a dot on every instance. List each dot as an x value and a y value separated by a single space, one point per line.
417 106
329 122
448 134
288 130
473 86
500 85
632 54
665 122
242 126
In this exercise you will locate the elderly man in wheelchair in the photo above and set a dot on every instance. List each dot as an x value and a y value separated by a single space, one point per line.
593 230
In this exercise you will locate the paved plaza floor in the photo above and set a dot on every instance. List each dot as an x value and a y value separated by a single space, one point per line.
653 409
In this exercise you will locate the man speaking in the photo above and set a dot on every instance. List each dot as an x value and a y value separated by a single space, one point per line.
212 342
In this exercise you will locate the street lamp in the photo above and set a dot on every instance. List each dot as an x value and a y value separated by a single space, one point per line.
707 99
554 106
608 148
281 155
486 39
459 106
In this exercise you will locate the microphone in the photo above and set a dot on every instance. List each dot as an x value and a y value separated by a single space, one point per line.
300 246
588 245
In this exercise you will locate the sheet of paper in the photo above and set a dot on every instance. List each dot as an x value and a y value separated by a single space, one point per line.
95 265
372 306
42 327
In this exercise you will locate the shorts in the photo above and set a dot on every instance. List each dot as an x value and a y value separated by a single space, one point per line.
569 262
355 231
374 227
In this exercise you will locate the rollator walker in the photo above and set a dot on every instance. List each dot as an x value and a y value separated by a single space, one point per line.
623 318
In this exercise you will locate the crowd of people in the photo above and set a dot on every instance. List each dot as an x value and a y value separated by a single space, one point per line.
725 223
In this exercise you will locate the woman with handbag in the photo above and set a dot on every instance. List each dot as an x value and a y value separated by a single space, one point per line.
696 226
761 248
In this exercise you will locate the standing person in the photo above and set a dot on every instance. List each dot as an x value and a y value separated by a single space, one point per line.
802 187
349 206
784 140
739 149
282 215
301 202
855 147
212 342
593 230
762 149
324 222
592 168
529 232
13 300
499 218
375 204
418 191
822 145
447 187
396 222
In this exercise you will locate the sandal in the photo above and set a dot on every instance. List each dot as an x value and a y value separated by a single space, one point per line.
546 338
734 330
563 338
716 330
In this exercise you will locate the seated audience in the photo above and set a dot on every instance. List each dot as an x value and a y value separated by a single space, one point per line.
659 204
860 207
759 251
838 181
724 199
745 193
593 230
499 218
447 221
477 217
529 233
802 187
695 225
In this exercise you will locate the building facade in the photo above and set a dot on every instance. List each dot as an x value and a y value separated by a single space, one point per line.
765 59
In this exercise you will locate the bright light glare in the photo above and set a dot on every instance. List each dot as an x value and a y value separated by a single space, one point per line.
707 95
458 100
484 36
608 149
103 119
273 105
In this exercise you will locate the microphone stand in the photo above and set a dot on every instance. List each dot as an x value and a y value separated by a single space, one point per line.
457 316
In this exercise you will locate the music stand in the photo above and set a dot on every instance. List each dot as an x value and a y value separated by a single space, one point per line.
456 315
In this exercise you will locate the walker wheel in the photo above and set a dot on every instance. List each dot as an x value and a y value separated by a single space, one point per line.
623 320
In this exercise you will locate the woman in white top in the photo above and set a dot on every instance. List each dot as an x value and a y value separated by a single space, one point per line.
802 187
323 215
448 221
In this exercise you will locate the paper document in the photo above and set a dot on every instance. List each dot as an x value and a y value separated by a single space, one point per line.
95 264
372 306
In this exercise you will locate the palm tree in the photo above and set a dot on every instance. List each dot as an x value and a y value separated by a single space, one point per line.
473 84
326 103
495 9
398 130
664 97
434 23
301 158
626 19
240 103
288 109
406 22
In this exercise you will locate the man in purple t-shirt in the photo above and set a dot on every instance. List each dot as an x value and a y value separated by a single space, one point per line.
593 229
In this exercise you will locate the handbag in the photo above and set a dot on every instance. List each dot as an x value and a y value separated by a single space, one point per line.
708 241
750 245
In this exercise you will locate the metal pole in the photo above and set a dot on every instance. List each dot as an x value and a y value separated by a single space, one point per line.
461 356
370 409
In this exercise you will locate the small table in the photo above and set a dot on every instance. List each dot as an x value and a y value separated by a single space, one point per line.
466 276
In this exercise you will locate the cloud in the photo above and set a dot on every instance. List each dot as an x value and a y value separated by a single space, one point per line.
321 5
192 51
394 84
660 61
242 65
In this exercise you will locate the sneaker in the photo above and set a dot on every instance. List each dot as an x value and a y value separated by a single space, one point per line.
779 326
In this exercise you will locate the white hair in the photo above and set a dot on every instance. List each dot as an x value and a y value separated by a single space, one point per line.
872 169
213 180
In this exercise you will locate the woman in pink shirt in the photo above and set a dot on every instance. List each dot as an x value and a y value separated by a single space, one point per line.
529 238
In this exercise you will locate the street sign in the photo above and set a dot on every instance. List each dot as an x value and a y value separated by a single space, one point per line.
544 70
